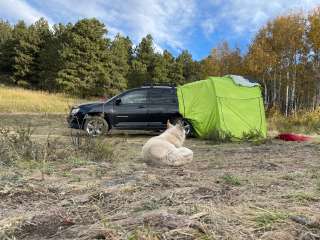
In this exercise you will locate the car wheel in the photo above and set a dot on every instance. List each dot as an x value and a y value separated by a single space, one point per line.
186 125
96 126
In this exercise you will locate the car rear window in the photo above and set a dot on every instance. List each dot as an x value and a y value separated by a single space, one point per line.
163 96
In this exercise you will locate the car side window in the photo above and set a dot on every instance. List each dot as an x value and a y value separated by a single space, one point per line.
135 97
163 96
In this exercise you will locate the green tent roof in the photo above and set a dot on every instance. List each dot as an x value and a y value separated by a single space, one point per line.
221 104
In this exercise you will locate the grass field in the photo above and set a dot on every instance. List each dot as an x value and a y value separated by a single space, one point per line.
302 122
13 100
51 188
56 183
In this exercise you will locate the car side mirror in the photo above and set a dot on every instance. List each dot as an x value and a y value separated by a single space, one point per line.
118 101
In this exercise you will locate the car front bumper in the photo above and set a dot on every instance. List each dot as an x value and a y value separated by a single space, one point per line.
75 121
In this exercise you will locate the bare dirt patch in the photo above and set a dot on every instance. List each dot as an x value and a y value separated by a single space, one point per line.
229 191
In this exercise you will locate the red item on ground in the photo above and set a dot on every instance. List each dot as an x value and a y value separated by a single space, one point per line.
293 137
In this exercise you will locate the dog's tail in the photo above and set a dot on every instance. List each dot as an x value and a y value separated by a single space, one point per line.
179 156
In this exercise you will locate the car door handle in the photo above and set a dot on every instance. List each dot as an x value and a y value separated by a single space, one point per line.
141 107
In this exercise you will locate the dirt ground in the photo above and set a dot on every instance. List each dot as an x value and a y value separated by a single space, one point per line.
257 190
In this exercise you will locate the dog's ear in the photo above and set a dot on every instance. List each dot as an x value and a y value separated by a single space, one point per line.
169 125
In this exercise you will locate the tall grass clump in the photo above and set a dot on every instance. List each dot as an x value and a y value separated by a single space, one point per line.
300 122
252 135
95 149
22 100
217 136
19 145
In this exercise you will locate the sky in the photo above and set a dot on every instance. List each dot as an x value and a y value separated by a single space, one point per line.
195 25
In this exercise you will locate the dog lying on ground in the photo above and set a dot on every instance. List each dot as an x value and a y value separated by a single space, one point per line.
166 149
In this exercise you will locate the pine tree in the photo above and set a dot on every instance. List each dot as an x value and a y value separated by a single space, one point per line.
22 52
5 38
50 62
138 74
176 73
161 69
39 35
85 60
145 52
164 66
19 56
119 66
142 65
191 70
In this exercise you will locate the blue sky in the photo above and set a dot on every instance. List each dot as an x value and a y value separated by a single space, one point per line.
196 25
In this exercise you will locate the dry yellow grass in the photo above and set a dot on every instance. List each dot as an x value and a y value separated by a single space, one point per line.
300 122
13 100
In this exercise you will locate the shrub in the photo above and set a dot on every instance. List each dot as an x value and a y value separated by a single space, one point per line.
218 136
231 180
252 135
301 121
20 145
16 145
268 218
96 149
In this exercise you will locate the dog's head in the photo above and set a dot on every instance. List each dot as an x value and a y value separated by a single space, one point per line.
178 126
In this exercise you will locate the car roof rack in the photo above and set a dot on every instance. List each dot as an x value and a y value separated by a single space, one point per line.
164 84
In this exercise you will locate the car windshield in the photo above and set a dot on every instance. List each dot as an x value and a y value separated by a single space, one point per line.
108 100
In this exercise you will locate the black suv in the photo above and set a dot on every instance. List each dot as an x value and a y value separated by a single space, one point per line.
144 108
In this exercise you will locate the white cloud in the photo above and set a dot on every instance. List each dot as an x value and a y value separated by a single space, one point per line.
208 26
14 10
157 48
172 23
247 16
169 22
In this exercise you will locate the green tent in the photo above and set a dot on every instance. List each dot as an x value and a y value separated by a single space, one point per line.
229 104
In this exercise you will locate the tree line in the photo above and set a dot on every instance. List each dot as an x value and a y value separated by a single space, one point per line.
80 59
284 57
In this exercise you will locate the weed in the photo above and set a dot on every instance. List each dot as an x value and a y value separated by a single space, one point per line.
11 176
96 149
252 135
318 184
100 172
148 205
267 218
314 173
189 210
231 180
66 174
292 176
77 161
144 233
16 145
218 136
302 121
303 197
75 179
206 237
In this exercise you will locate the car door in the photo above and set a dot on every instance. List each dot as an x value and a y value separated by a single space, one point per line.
163 105
130 110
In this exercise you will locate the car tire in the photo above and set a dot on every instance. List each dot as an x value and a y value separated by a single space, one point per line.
96 126
186 124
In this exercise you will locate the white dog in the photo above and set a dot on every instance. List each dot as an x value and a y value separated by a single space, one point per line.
167 147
